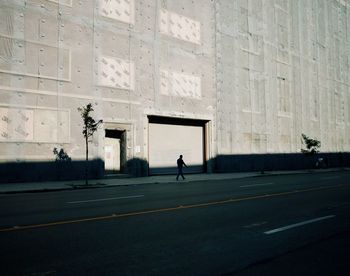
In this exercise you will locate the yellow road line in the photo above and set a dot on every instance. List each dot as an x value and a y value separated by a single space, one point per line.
131 214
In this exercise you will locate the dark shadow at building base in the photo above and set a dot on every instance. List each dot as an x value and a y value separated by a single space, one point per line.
173 170
73 170
49 171
279 161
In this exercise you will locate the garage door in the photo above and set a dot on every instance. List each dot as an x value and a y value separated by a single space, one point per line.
168 141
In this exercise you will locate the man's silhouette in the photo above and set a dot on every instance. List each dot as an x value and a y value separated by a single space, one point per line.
180 164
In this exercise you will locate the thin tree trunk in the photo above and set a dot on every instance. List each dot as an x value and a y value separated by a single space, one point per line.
87 159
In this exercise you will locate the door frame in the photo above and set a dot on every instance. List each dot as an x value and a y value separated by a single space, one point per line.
125 131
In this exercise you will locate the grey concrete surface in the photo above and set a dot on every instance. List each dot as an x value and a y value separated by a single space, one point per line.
125 180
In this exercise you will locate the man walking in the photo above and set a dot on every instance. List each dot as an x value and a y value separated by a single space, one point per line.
180 164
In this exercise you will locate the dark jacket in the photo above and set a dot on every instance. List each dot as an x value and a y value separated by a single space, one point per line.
180 163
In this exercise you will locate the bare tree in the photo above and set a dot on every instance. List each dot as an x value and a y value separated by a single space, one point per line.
89 128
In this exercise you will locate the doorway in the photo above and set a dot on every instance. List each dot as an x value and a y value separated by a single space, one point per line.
169 137
114 151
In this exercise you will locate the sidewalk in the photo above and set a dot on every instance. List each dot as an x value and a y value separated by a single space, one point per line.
117 181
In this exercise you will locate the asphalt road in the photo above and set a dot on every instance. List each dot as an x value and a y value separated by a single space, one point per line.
271 225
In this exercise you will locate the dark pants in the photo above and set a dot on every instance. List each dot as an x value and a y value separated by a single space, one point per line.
179 172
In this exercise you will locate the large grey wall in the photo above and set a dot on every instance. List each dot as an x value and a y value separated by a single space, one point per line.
260 71
121 56
283 69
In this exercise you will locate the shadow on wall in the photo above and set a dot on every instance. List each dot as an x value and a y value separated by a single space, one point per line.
12 172
173 170
136 167
279 161
72 170
140 167
49 171
64 170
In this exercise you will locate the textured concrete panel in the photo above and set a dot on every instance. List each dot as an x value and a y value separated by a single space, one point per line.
115 72
181 85
16 124
34 125
179 26
34 59
51 126
122 10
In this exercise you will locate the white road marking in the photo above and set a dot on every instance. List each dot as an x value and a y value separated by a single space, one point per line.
255 185
255 224
104 199
297 225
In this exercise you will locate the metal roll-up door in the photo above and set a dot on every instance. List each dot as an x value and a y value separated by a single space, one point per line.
168 141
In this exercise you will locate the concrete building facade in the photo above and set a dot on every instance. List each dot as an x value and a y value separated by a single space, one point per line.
230 84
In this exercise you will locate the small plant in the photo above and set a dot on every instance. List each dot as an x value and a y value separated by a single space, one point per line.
89 128
61 155
312 145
